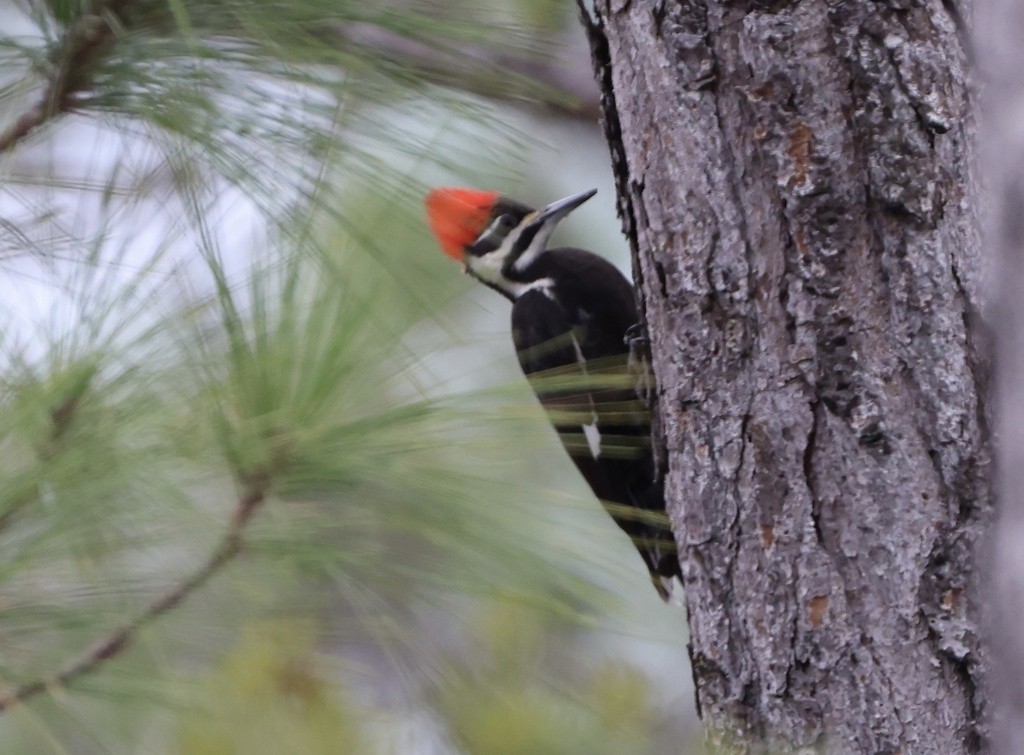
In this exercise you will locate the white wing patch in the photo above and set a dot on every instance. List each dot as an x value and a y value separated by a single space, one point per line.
579 353
593 436
591 431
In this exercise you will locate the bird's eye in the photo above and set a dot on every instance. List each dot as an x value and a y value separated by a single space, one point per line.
496 232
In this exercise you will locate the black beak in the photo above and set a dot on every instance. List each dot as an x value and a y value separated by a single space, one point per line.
535 232
555 211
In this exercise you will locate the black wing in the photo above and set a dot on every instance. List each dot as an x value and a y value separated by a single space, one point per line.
591 400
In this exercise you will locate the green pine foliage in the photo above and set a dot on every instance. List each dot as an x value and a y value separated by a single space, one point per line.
228 470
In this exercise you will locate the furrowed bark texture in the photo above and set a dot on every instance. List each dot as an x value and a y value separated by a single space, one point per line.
1002 59
796 181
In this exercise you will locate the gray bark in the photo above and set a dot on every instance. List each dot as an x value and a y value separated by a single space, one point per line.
1002 60
796 181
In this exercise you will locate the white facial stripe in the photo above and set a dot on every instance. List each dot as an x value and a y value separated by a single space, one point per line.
493 226
488 268
491 230
536 247
493 261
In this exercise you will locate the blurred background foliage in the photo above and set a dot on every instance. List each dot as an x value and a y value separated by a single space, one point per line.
270 480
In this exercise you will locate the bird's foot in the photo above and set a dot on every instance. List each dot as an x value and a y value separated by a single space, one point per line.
636 338
638 341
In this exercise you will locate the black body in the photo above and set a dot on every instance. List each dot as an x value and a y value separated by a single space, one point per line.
570 334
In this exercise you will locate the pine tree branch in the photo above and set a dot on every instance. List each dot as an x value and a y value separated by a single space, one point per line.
78 47
61 417
472 68
122 637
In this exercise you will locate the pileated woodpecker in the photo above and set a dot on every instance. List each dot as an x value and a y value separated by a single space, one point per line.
572 312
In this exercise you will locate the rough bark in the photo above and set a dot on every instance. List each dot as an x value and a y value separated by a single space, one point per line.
795 178
1002 59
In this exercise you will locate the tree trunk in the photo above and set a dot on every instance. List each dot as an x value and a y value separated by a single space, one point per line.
795 179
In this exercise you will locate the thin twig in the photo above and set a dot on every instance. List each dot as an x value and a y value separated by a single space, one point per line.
25 123
472 68
122 637
76 49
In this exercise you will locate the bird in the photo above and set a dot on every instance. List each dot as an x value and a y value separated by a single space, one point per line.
574 315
